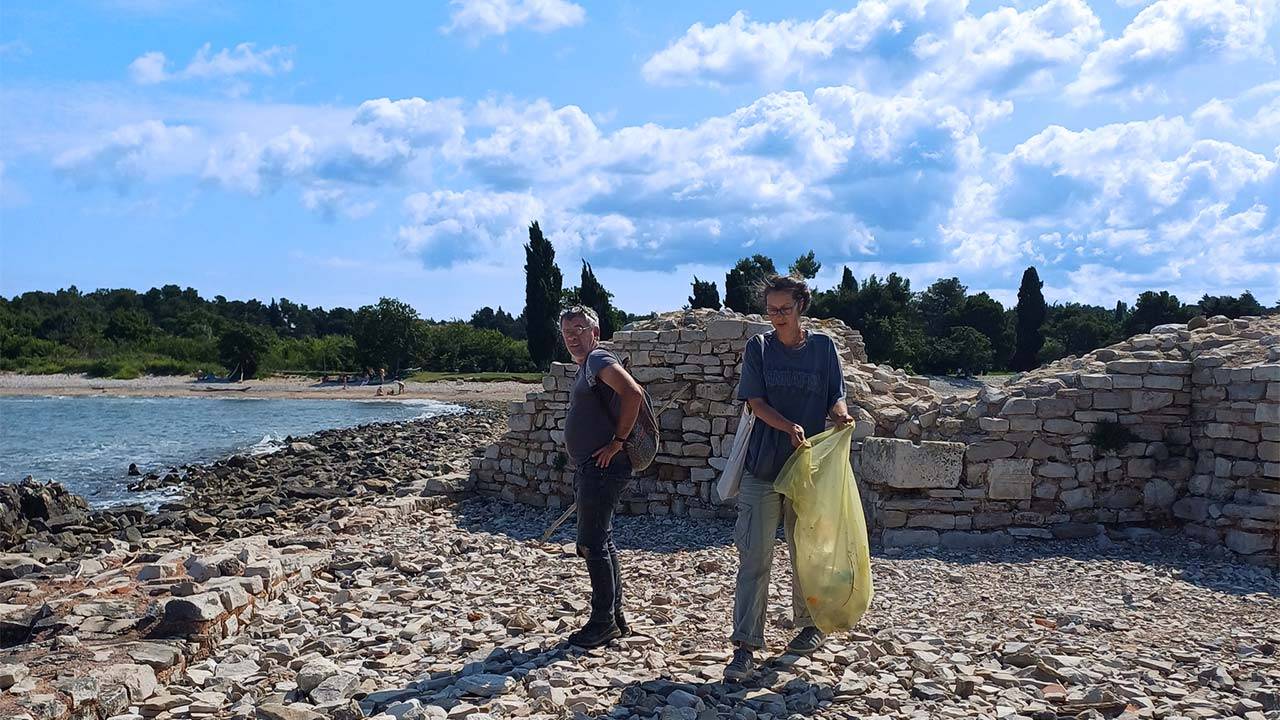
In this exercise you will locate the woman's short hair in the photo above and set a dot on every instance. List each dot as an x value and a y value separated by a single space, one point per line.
796 286
580 311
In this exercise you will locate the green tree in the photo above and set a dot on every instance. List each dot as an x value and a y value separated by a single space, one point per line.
941 306
1077 329
242 347
128 325
386 335
592 294
1031 311
1231 306
1155 308
986 315
542 287
743 283
1120 314
705 294
964 349
806 266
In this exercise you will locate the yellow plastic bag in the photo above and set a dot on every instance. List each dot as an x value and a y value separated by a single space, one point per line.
833 560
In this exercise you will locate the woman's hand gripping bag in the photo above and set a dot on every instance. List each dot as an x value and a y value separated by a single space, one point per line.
833 560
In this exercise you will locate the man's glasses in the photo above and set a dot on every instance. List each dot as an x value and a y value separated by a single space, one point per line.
780 311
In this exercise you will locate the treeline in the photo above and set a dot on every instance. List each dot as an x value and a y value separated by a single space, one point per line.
170 330
942 329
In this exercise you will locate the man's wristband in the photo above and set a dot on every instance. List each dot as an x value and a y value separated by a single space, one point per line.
621 440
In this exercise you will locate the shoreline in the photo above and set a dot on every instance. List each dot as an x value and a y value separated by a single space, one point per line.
66 385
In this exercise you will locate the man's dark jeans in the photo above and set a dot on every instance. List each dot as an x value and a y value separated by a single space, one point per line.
597 491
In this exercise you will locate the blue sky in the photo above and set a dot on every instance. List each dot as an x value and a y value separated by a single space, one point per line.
332 153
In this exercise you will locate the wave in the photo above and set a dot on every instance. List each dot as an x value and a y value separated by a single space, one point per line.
267 445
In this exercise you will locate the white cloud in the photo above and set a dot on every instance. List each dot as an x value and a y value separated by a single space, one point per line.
245 164
1172 34
743 50
478 18
1200 215
888 44
129 154
329 202
447 227
149 68
152 67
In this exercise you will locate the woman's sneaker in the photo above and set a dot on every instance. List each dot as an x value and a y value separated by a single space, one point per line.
740 667
806 641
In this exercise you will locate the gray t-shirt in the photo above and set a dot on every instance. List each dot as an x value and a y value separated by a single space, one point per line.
588 427
800 383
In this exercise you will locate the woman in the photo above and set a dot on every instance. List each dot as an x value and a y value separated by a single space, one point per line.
793 382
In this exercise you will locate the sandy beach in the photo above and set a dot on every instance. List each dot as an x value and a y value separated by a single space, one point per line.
276 387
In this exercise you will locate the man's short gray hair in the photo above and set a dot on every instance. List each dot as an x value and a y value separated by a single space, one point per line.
580 311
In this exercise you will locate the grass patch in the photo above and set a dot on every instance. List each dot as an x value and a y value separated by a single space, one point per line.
428 376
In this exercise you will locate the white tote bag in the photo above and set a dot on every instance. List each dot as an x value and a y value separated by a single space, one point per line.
731 477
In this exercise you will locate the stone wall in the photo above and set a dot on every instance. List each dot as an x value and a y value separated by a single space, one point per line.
1177 427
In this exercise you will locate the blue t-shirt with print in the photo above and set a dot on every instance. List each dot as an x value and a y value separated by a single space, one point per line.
800 383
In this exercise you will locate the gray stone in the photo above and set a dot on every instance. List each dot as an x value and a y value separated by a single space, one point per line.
315 672
1077 499
275 711
201 607
1010 479
11 674
485 685
335 689
910 538
1247 543
140 680
1195 509
902 464
989 450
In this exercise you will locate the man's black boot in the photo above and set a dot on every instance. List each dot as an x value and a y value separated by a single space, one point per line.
595 633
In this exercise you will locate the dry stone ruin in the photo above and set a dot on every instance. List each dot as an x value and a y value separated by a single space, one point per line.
1177 428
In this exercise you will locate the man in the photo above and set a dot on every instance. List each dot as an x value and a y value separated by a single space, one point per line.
603 405
794 383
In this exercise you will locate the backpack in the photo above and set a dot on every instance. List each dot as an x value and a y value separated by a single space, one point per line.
641 445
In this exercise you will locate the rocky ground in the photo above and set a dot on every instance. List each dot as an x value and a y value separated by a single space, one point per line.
353 576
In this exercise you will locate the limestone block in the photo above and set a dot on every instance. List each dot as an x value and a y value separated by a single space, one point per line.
1128 367
1019 406
989 450
902 464
1162 382
993 424
1055 408
1195 509
726 329
1267 413
1056 470
1266 372
1061 426
1147 401
910 538
1095 382
1010 479
1247 543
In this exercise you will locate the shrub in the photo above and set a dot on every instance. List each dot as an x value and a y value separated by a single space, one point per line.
1110 437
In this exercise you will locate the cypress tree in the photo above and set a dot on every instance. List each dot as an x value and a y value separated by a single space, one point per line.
705 294
1029 331
542 287
592 294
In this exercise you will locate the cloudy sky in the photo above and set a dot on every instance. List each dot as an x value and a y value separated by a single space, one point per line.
332 153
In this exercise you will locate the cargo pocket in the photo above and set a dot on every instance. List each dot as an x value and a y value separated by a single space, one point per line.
742 528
